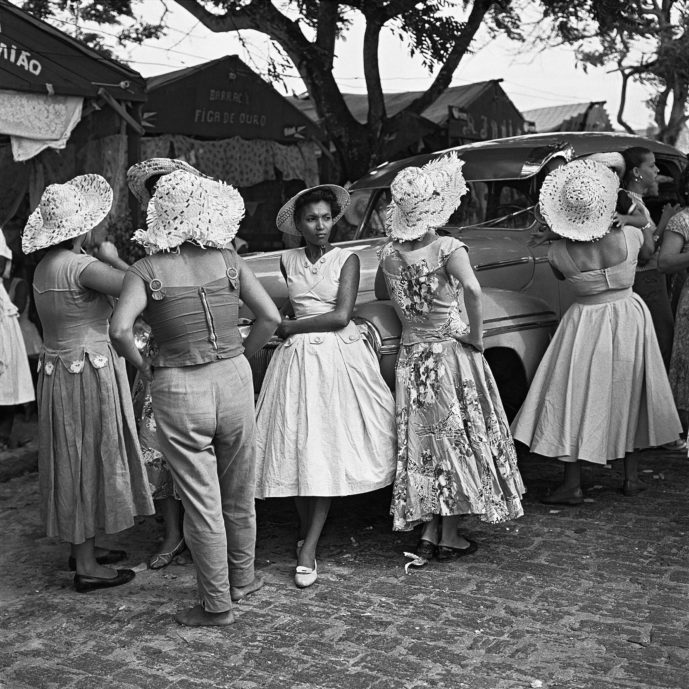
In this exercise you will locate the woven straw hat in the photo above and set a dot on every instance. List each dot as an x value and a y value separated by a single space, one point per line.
140 173
424 197
66 211
578 200
285 217
186 207
613 160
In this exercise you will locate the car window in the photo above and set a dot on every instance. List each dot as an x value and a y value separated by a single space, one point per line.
472 210
346 228
375 222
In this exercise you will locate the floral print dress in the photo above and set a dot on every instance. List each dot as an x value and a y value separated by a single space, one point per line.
455 452
679 363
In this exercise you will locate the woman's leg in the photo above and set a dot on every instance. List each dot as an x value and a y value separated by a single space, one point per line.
430 530
85 556
569 491
632 484
318 508
302 506
171 511
450 537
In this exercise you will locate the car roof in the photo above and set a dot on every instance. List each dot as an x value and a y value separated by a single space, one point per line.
519 157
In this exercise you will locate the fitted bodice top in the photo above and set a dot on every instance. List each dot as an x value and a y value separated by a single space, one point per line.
426 298
195 322
592 282
73 316
313 287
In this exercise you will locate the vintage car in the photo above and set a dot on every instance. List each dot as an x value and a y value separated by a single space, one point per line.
522 300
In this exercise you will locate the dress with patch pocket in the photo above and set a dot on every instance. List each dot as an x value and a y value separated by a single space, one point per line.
325 417
91 473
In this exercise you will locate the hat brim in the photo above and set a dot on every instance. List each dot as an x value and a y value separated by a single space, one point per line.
565 223
285 217
98 196
140 173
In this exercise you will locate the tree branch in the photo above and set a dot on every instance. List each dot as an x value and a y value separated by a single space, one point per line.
623 100
374 87
459 49
326 30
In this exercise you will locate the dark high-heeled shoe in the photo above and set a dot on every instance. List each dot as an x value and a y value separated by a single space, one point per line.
425 549
446 553
84 584
110 558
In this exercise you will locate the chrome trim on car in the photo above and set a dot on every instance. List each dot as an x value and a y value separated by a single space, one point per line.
532 325
506 262
531 314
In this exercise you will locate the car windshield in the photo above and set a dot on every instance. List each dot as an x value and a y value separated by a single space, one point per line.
505 204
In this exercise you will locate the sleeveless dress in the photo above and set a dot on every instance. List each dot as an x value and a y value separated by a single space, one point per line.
325 417
91 473
16 386
601 389
32 338
455 452
679 362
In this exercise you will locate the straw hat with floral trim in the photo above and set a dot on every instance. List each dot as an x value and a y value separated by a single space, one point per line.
66 211
578 200
186 207
285 217
140 173
424 198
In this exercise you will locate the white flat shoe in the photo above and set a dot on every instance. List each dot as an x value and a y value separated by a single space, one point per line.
305 576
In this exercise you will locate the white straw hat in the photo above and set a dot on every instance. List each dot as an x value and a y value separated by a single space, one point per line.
578 200
186 207
424 197
66 211
285 217
140 173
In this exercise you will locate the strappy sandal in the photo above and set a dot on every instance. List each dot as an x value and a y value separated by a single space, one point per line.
160 560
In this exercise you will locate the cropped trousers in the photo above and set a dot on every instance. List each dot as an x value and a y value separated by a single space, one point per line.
206 430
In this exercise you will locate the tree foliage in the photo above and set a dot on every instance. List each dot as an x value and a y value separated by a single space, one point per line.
645 40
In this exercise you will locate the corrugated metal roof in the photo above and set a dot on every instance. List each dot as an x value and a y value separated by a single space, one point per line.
357 103
552 118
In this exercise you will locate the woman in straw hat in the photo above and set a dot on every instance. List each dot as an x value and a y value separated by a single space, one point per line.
91 473
142 179
456 455
188 290
309 447
601 390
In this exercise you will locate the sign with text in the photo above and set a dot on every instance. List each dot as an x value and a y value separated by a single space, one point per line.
222 99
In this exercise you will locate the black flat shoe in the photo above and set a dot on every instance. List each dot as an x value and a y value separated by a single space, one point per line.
632 488
425 549
110 558
84 584
445 554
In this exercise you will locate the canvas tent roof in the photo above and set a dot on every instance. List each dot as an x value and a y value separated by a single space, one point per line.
437 112
219 99
37 58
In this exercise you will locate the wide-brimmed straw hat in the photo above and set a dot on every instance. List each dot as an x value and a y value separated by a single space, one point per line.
285 217
140 173
578 200
424 197
66 211
186 207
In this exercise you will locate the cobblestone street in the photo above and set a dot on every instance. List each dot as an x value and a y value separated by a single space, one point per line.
565 598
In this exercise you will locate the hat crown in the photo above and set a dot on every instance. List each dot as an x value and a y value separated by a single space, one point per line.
581 194
411 187
60 202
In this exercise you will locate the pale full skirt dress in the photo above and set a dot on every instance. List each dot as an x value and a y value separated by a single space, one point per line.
601 389
679 362
91 473
16 386
455 451
325 417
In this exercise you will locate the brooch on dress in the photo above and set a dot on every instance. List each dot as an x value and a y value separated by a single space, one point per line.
157 291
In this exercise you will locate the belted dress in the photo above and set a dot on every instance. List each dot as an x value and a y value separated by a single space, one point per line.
325 416
601 389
